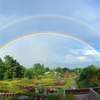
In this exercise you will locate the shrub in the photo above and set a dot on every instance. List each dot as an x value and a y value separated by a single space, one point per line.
70 97
53 97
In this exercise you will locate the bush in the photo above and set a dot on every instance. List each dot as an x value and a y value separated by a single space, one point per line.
53 97
70 97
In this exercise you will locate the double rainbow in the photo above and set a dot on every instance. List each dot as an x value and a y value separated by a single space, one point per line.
46 33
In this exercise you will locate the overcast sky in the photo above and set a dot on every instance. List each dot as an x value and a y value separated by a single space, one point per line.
77 18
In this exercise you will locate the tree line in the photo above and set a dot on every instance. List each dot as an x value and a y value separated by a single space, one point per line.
11 68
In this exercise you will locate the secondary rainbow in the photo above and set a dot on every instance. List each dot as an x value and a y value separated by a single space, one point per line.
47 16
49 33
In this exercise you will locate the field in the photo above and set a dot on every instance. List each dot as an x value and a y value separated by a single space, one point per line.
26 87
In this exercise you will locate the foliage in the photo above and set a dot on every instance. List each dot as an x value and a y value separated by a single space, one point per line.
88 72
53 97
2 70
78 70
82 83
70 97
10 68
41 89
91 75
47 69
29 73
94 81
38 69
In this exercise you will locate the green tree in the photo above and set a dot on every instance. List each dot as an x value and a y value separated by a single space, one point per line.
47 69
38 69
65 70
91 75
29 73
13 68
78 70
61 71
2 70
1 60
89 71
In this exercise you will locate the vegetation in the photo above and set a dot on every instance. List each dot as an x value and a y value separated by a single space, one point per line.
12 74
89 77
10 69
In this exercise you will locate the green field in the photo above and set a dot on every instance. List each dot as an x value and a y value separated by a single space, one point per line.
12 86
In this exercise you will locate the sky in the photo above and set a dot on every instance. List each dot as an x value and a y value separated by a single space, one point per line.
78 20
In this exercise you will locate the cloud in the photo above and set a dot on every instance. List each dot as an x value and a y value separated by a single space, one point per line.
88 52
44 59
85 51
82 58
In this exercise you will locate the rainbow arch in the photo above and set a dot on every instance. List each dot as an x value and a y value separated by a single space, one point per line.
48 33
48 15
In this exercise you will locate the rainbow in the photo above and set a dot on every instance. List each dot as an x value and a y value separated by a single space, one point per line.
48 16
48 33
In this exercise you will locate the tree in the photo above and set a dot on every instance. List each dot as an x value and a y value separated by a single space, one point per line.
78 70
5 76
2 70
38 69
13 68
65 70
94 81
1 60
19 69
8 61
61 71
58 69
46 69
89 71
29 73
90 74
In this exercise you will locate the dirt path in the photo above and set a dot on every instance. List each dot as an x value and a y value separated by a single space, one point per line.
72 86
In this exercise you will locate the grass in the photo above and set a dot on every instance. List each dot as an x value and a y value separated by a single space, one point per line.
67 86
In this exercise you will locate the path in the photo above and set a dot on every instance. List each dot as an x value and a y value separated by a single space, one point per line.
72 86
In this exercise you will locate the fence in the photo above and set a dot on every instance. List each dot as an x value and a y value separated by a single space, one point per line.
90 91
76 91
